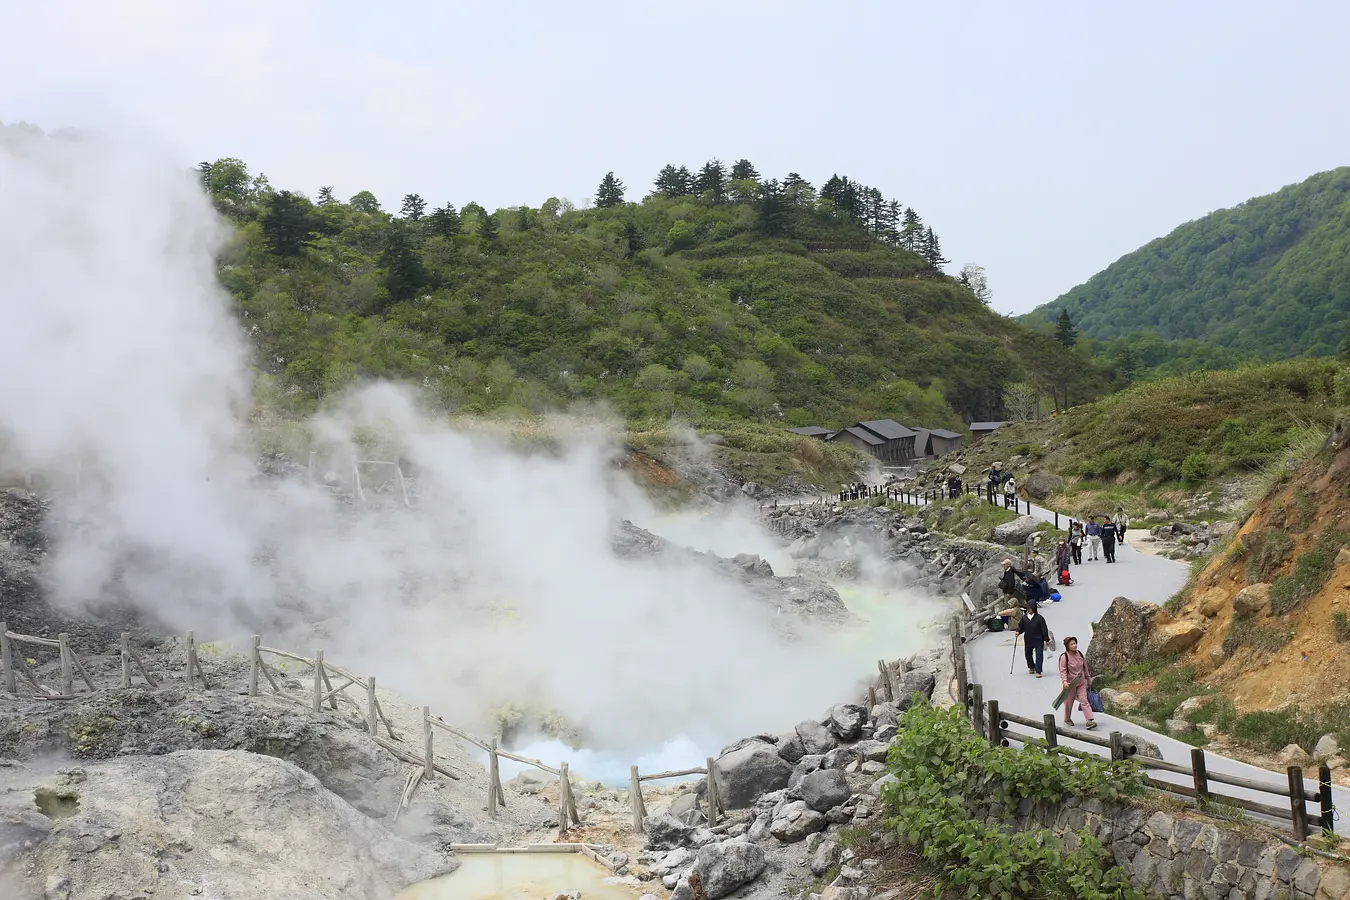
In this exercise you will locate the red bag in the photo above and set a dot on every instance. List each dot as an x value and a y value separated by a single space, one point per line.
1064 577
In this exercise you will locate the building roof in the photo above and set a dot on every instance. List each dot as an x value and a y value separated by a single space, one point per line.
810 431
944 433
889 429
921 440
861 434
986 426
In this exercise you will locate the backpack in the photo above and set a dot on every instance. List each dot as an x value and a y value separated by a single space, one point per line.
994 623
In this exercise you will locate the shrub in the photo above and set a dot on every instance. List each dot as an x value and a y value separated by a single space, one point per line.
1341 623
1266 552
1310 575
1246 633
943 768
1196 468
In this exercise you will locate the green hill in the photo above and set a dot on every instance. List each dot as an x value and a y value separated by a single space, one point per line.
714 297
1268 278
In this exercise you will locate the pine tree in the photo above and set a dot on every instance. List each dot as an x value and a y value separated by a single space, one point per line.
669 183
932 250
610 192
288 223
204 172
326 196
487 226
876 212
404 275
711 183
1066 333
798 190
742 170
633 238
523 220
1127 363
445 221
891 230
911 231
684 182
413 207
772 220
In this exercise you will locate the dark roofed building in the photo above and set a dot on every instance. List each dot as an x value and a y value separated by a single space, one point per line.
860 439
814 431
979 430
886 439
941 442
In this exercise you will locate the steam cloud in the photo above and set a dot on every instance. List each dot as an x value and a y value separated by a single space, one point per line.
123 361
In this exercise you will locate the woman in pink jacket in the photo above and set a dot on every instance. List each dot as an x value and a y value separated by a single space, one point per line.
1073 664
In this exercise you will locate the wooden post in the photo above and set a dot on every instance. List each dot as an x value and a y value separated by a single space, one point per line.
191 656
1199 774
254 662
885 680
126 660
67 670
1057 520
317 702
977 708
1117 746
959 657
7 660
995 725
1324 795
1298 803
562 799
635 791
372 717
1051 736
492 779
711 793
871 697
429 769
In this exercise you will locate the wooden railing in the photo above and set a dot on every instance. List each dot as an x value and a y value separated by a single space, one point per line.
713 799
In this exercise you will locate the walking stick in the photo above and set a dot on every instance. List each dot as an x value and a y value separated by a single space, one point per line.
1013 662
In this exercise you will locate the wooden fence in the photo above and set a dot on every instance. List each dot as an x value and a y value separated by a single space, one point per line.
713 799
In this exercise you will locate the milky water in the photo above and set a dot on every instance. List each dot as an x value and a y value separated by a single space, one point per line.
519 876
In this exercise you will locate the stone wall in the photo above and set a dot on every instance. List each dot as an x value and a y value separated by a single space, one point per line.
1174 856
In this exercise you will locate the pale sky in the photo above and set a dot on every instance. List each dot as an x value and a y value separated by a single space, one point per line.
1041 140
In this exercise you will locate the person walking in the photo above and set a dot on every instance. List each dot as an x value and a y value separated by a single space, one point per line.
1076 542
1073 664
1010 493
995 478
1109 533
1063 559
1094 536
1122 523
1035 635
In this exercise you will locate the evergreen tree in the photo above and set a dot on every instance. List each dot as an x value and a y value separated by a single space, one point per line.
413 207
711 183
204 172
523 219
404 275
1127 363
772 220
487 226
445 221
610 192
876 212
684 182
797 190
742 170
633 238
1066 333
911 231
670 184
932 250
288 223
891 230
326 196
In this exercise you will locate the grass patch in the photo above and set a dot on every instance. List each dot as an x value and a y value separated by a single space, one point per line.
1341 623
1245 632
1170 688
967 516
1265 552
1276 729
1311 572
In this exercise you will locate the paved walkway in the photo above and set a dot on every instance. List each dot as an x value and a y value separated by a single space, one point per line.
1139 576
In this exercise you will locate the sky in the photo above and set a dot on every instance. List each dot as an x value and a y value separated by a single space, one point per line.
1041 141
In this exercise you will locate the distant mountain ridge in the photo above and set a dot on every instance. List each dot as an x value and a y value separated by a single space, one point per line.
1269 277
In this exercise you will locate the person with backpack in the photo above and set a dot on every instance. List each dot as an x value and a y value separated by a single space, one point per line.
1109 532
1035 635
1010 493
995 479
1094 536
1122 523
1076 542
1073 664
1063 559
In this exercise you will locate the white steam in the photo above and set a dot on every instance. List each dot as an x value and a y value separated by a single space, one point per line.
123 362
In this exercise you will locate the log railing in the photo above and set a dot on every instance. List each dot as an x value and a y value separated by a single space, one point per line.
714 805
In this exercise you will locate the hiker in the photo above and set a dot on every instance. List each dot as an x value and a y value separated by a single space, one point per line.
1036 588
1122 522
1063 558
995 477
1073 664
1010 493
1035 635
1094 536
1076 542
1109 532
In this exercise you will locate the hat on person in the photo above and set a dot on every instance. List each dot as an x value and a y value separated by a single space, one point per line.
1031 606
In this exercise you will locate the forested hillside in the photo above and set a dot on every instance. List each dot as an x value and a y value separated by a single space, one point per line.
719 294
1269 278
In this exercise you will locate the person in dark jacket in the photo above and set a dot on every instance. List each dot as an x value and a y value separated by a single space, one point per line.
1035 635
1063 558
1109 534
1035 587
995 479
1076 539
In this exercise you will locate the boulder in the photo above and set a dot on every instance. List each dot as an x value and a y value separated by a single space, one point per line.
881 784
1252 599
1170 638
532 781
825 789
1211 602
1121 701
884 714
816 738
1294 755
918 681
1121 636
1327 747
1178 727
674 861
790 747
805 766
846 721
1190 706
1040 485
825 856
1016 532
1141 745
872 751
742 775
796 821
665 832
685 808
728 866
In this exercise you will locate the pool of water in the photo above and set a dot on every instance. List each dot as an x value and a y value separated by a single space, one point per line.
520 876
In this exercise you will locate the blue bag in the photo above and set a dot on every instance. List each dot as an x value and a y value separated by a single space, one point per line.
1095 701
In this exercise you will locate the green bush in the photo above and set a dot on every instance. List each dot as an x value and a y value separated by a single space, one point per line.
1196 468
1277 729
943 769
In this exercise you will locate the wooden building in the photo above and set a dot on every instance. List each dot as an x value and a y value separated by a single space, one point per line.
979 430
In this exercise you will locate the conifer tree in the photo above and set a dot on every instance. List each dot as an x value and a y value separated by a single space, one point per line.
404 275
326 196
633 238
743 170
911 231
288 223
797 190
1066 333
1127 363
668 182
610 192
932 250
445 221
876 212
711 183
413 207
487 226
891 231
684 182
772 220
204 172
